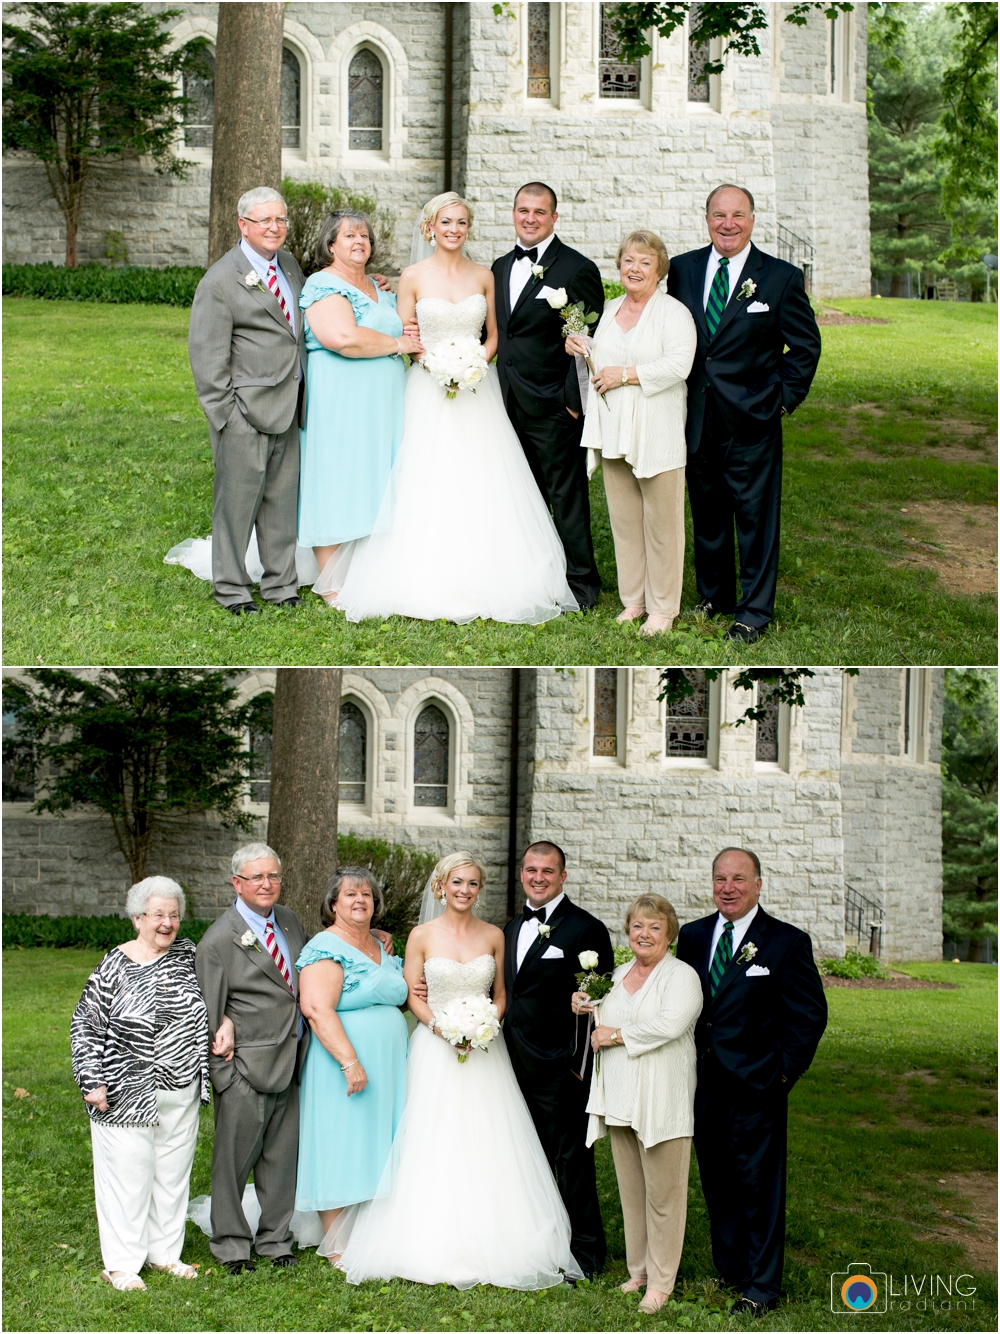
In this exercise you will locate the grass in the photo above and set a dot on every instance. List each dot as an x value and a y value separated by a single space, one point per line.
108 464
894 1116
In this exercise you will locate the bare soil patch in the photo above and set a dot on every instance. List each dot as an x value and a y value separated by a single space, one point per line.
973 1225
838 317
950 439
887 983
963 545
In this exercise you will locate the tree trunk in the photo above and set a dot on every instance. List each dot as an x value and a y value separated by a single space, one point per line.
246 145
302 823
898 287
70 245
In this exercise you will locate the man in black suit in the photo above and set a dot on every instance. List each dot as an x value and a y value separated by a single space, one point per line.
539 380
762 1020
540 966
758 349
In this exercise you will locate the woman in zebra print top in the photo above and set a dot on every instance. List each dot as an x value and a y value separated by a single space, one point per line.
140 1056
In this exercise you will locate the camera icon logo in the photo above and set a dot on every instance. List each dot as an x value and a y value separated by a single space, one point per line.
858 1289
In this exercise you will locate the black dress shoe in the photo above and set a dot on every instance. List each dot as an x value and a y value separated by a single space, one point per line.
243 608
744 634
238 1266
284 1261
294 601
746 1306
708 610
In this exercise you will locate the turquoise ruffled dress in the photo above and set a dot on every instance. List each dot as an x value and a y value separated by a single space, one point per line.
354 422
344 1142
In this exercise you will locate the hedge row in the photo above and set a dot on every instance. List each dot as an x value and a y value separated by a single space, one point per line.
22 931
96 282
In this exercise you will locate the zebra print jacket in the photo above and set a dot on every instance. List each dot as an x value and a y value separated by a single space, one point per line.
137 1028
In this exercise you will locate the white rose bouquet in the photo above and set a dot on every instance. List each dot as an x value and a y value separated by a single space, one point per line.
457 363
471 1021
576 323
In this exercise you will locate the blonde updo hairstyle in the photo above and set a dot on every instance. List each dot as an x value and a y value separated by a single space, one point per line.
451 863
649 244
433 207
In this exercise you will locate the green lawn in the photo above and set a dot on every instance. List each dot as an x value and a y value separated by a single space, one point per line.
887 1130
108 464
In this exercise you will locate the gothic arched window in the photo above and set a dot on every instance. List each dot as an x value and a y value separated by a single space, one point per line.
291 99
687 733
365 77
699 54
617 79
259 745
606 712
767 750
539 51
431 742
353 754
199 117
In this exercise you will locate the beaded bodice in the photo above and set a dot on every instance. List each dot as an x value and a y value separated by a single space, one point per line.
448 980
440 319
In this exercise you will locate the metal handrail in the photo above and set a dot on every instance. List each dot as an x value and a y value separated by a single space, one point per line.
864 919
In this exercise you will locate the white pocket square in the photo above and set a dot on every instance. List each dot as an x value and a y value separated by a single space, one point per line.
553 952
756 971
757 307
543 292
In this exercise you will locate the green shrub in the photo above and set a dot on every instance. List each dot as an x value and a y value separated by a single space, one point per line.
23 931
612 289
309 202
853 964
127 285
401 871
623 955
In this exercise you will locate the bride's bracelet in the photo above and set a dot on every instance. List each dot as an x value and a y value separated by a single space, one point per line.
430 1025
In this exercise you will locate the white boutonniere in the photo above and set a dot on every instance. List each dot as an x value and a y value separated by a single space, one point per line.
544 930
253 279
747 953
537 271
249 941
748 289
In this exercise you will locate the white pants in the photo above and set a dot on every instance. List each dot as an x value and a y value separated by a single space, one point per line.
141 1180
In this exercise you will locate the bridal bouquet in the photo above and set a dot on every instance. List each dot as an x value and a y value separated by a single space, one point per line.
471 1021
457 363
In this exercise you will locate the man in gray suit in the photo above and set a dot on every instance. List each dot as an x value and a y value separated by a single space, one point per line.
246 350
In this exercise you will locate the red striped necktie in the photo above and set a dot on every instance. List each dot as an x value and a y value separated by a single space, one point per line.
276 954
275 290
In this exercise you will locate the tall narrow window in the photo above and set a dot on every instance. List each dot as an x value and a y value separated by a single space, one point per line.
430 758
698 58
260 749
199 117
17 784
617 79
291 100
606 712
767 749
353 754
913 712
834 63
687 721
364 105
539 47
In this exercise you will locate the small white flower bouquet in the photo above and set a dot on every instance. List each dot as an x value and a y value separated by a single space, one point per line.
471 1021
457 363
577 323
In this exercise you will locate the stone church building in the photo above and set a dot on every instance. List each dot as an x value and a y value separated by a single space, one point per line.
402 100
841 798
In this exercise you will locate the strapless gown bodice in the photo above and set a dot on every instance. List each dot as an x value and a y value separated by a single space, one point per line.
449 980
440 319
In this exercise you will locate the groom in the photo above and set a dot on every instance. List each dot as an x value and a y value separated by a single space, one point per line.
539 380
540 967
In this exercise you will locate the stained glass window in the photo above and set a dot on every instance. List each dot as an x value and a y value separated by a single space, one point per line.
767 727
291 81
353 755
364 105
687 721
199 118
698 56
430 758
606 711
260 749
617 79
16 786
539 81
833 54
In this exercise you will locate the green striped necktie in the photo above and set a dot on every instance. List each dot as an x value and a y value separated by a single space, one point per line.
717 297
720 962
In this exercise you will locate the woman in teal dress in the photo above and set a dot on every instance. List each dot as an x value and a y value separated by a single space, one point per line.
354 380
353 1083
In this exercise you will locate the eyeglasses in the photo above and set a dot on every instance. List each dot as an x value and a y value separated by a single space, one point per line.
158 917
266 222
258 880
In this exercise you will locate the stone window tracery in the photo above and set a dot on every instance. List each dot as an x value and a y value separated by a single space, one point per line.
199 118
617 79
431 744
539 51
365 80
687 723
767 742
352 759
699 54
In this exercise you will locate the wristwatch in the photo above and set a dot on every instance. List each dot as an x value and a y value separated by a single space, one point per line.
624 375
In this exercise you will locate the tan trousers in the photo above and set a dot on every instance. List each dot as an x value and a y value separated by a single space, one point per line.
647 522
653 1186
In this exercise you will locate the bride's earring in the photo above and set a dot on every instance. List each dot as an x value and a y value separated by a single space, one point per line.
434 242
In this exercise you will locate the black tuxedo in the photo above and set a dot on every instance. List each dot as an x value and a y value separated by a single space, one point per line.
539 383
742 379
755 1038
543 1038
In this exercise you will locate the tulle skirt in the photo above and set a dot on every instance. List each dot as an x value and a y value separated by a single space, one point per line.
195 554
467 1196
462 531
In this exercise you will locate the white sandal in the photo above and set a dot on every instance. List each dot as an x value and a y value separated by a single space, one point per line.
176 1267
124 1282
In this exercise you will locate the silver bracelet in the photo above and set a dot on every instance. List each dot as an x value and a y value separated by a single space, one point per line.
345 1068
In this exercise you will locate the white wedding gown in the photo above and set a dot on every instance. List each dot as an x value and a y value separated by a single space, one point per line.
462 531
467 1196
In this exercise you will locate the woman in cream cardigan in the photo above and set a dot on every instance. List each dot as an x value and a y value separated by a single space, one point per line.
642 1091
642 352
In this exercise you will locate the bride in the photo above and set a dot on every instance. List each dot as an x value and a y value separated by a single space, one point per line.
467 1196
462 531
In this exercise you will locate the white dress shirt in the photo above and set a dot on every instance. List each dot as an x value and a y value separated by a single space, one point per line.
736 263
520 270
740 927
284 286
528 933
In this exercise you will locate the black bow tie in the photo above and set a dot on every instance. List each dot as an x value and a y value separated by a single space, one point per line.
537 913
531 254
